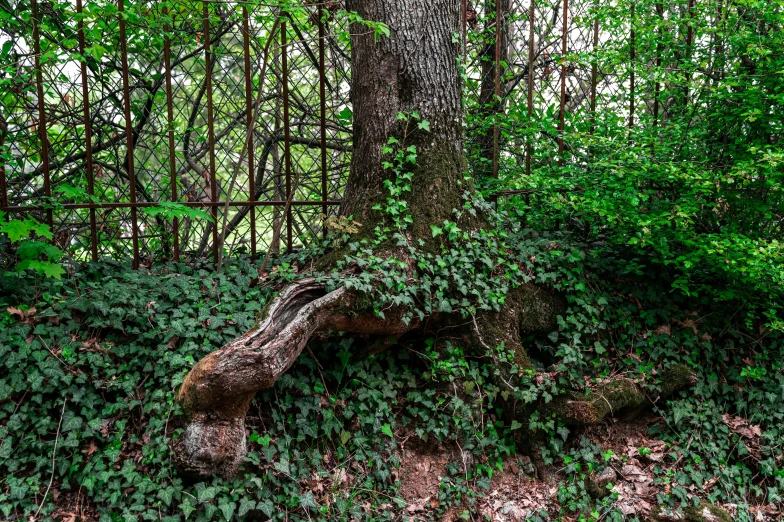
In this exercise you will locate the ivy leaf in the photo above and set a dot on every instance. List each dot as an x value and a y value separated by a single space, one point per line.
516 425
308 501
71 422
387 430
166 495
186 509
227 508
437 231
266 507
245 506
207 494
424 125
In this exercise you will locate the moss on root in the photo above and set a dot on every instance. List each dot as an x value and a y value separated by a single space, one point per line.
704 512
616 396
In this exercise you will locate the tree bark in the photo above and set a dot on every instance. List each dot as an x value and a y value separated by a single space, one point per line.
414 69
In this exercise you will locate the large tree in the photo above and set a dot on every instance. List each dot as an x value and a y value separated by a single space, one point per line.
414 69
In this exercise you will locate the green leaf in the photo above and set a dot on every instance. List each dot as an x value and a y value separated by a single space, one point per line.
52 270
436 230
207 494
187 509
245 506
227 508
16 229
387 430
166 495
308 501
424 125
71 422
266 507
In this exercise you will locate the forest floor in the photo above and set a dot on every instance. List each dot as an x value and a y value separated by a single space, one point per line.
90 366
517 493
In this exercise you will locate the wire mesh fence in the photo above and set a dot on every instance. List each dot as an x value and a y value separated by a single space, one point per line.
112 113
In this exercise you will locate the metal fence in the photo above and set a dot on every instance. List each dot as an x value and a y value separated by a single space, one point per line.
242 110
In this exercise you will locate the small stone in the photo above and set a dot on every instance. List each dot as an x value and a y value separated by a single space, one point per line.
528 466
596 484
605 476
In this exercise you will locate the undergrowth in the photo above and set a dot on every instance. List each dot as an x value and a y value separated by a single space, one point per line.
91 365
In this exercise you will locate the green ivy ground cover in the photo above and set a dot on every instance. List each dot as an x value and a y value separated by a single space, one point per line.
90 365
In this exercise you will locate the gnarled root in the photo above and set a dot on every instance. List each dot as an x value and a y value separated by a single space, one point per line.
619 395
217 392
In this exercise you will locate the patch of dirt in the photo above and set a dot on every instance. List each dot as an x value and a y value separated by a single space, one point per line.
515 493
72 506
421 467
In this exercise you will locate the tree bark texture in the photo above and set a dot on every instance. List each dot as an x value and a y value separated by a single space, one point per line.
415 69
216 393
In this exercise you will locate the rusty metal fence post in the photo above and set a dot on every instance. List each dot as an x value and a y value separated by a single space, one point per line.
208 61
88 146
250 126
530 86
631 63
170 125
129 141
497 85
322 117
41 127
286 134
562 100
594 72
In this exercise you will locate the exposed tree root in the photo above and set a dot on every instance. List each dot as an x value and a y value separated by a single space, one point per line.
618 396
217 392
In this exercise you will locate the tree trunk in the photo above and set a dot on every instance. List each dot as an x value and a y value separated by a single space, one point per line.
414 69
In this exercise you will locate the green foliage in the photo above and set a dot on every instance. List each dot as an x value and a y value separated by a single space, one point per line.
101 356
169 210
30 252
696 186
97 362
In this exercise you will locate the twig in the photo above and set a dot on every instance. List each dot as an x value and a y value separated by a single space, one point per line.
54 453
318 367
